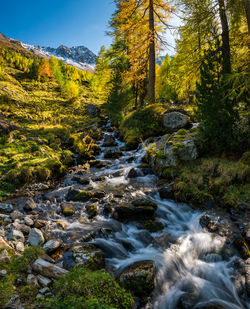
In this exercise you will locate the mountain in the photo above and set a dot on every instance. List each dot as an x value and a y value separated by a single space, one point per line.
78 56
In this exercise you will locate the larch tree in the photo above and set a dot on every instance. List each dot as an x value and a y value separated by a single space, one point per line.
142 23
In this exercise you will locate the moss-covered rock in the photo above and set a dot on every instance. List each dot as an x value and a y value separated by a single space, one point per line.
129 212
139 278
68 209
92 210
83 196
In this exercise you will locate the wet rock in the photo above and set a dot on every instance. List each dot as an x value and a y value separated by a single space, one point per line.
247 272
246 234
6 208
35 238
174 120
142 202
97 163
135 172
32 280
190 296
98 195
47 269
242 247
52 245
127 212
214 226
92 211
93 110
109 141
167 192
88 256
83 196
15 235
82 181
43 281
29 205
139 278
113 154
68 209
152 226
72 193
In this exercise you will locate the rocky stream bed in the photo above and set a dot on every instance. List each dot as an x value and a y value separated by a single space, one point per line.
112 214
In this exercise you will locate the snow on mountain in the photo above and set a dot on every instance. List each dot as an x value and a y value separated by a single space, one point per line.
78 56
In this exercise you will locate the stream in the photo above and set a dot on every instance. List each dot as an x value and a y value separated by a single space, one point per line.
187 257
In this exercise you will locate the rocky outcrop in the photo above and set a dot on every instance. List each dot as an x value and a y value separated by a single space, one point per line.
169 150
174 121
139 278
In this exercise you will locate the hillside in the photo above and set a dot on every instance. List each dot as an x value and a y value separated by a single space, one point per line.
41 119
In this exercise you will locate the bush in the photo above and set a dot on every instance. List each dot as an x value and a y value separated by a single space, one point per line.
82 288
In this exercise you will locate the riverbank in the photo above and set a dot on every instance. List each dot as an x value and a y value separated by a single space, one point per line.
108 214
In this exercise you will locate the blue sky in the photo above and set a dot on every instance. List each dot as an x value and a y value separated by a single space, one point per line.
56 22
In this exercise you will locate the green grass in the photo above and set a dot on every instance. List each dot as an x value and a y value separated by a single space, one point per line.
143 123
50 129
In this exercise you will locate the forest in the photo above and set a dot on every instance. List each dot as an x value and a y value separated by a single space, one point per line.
128 187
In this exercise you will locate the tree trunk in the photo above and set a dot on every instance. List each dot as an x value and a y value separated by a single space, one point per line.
151 73
246 4
225 38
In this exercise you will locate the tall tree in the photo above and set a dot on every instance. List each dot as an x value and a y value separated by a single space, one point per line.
225 38
142 23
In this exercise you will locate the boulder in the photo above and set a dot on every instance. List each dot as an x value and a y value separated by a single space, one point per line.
47 269
109 141
174 121
52 245
129 212
6 208
113 154
15 235
87 255
20 247
135 172
93 111
28 221
166 192
139 278
29 205
68 209
72 193
92 211
35 238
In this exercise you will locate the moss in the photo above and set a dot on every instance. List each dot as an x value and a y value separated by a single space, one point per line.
42 173
67 158
160 155
83 196
82 287
92 210
245 159
57 168
7 290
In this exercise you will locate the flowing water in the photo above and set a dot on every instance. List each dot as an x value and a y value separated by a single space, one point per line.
187 257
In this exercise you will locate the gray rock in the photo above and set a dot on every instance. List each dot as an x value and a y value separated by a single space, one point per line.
15 235
135 172
43 281
32 280
174 121
49 270
29 205
16 214
52 245
36 237
6 208
3 273
44 290
28 221
188 152
93 111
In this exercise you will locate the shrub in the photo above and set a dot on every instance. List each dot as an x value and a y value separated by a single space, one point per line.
83 288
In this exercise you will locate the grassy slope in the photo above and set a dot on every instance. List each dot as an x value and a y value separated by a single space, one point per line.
47 122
